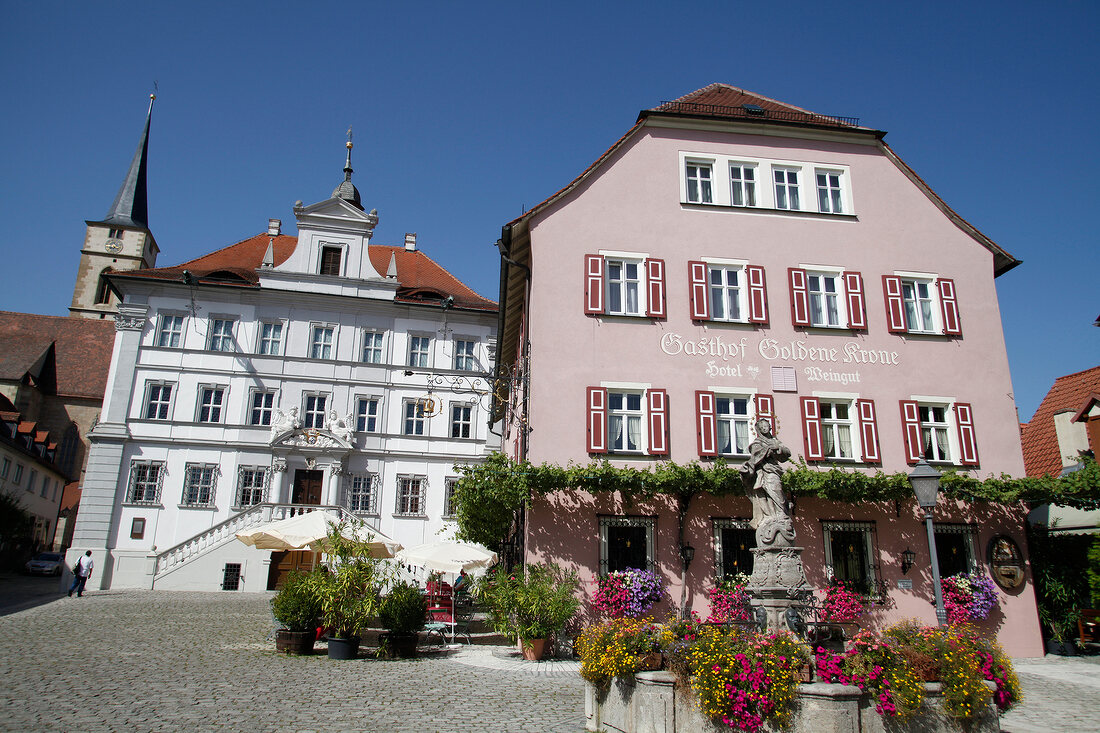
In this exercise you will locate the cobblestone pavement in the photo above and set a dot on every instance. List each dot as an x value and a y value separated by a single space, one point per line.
1060 694
163 661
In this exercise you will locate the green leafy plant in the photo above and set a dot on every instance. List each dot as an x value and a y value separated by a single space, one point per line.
1059 568
295 606
402 609
349 590
533 604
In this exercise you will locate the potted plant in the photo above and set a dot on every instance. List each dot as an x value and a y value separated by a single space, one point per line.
629 592
533 605
348 591
297 609
402 615
968 597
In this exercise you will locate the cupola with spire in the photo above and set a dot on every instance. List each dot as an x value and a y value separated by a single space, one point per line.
347 190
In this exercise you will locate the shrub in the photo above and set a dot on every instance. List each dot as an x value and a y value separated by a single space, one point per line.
627 592
295 606
534 604
403 609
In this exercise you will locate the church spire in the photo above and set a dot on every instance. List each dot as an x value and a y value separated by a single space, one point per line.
131 206
347 190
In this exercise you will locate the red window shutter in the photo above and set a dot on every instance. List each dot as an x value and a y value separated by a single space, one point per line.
597 419
811 428
895 308
764 409
949 307
593 284
658 422
758 294
968 441
706 428
700 291
910 425
857 307
800 297
655 288
868 430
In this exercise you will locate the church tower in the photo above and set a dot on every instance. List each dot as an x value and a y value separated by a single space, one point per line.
120 241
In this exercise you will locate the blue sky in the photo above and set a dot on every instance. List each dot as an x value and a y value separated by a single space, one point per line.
466 114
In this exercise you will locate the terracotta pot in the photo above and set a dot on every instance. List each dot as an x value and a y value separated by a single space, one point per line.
295 642
651 661
532 649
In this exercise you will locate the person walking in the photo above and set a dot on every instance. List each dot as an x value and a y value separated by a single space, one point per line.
81 573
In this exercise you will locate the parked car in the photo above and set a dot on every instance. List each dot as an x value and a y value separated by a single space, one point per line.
45 563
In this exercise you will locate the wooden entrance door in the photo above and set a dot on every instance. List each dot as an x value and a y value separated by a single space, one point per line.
307 487
283 562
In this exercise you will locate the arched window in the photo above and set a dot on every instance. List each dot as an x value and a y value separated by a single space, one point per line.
103 289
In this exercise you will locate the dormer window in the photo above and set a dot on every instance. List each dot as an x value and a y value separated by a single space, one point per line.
330 260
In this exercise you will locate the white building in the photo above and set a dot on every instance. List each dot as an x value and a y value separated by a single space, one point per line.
318 369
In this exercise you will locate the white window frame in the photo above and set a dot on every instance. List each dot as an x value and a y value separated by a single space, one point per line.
731 418
147 484
910 297
164 406
835 199
832 427
215 409
411 501
422 354
462 421
932 449
171 331
867 529
745 188
648 523
449 485
741 289
839 294
412 415
787 187
341 248
309 416
319 348
268 410
201 480
717 525
362 493
247 483
221 337
365 417
270 345
465 356
623 414
621 286
700 165
376 352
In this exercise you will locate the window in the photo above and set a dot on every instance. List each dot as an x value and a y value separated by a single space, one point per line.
449 497
17 477
170 331
221 335
103 289
839 428
321 343
45 490
366 415
786 188
627 542
849 553
313 416
198 484
955 548
372 347
32 480
827 299
733 419
624 422
330 260
158 401
137 528
921 304
5 468
363 494
829 196
933 433
410 495
414 418
727 291
733 543
114 234
939 429
263 404
464 355
620 420
624 284
461 420
698 179
145 482
210 404
271 338
742 184
420 351
251 485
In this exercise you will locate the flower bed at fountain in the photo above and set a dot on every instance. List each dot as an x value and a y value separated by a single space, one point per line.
741 680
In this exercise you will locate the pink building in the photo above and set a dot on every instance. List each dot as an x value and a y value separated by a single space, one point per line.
732 257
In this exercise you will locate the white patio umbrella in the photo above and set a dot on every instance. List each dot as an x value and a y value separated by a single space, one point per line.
309 530
448 556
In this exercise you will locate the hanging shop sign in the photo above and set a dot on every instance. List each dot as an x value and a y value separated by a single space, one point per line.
1006 562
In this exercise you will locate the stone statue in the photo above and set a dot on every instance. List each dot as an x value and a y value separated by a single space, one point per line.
284 421
343 427
760 475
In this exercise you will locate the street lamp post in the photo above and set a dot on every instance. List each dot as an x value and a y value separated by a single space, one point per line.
926 485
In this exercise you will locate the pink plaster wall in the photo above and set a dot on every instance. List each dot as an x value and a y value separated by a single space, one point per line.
633 204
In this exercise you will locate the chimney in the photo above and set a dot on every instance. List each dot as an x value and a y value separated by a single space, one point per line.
410 241
273 226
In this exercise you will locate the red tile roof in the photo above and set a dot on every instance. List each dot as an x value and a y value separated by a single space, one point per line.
1041 453
81 352
420 278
